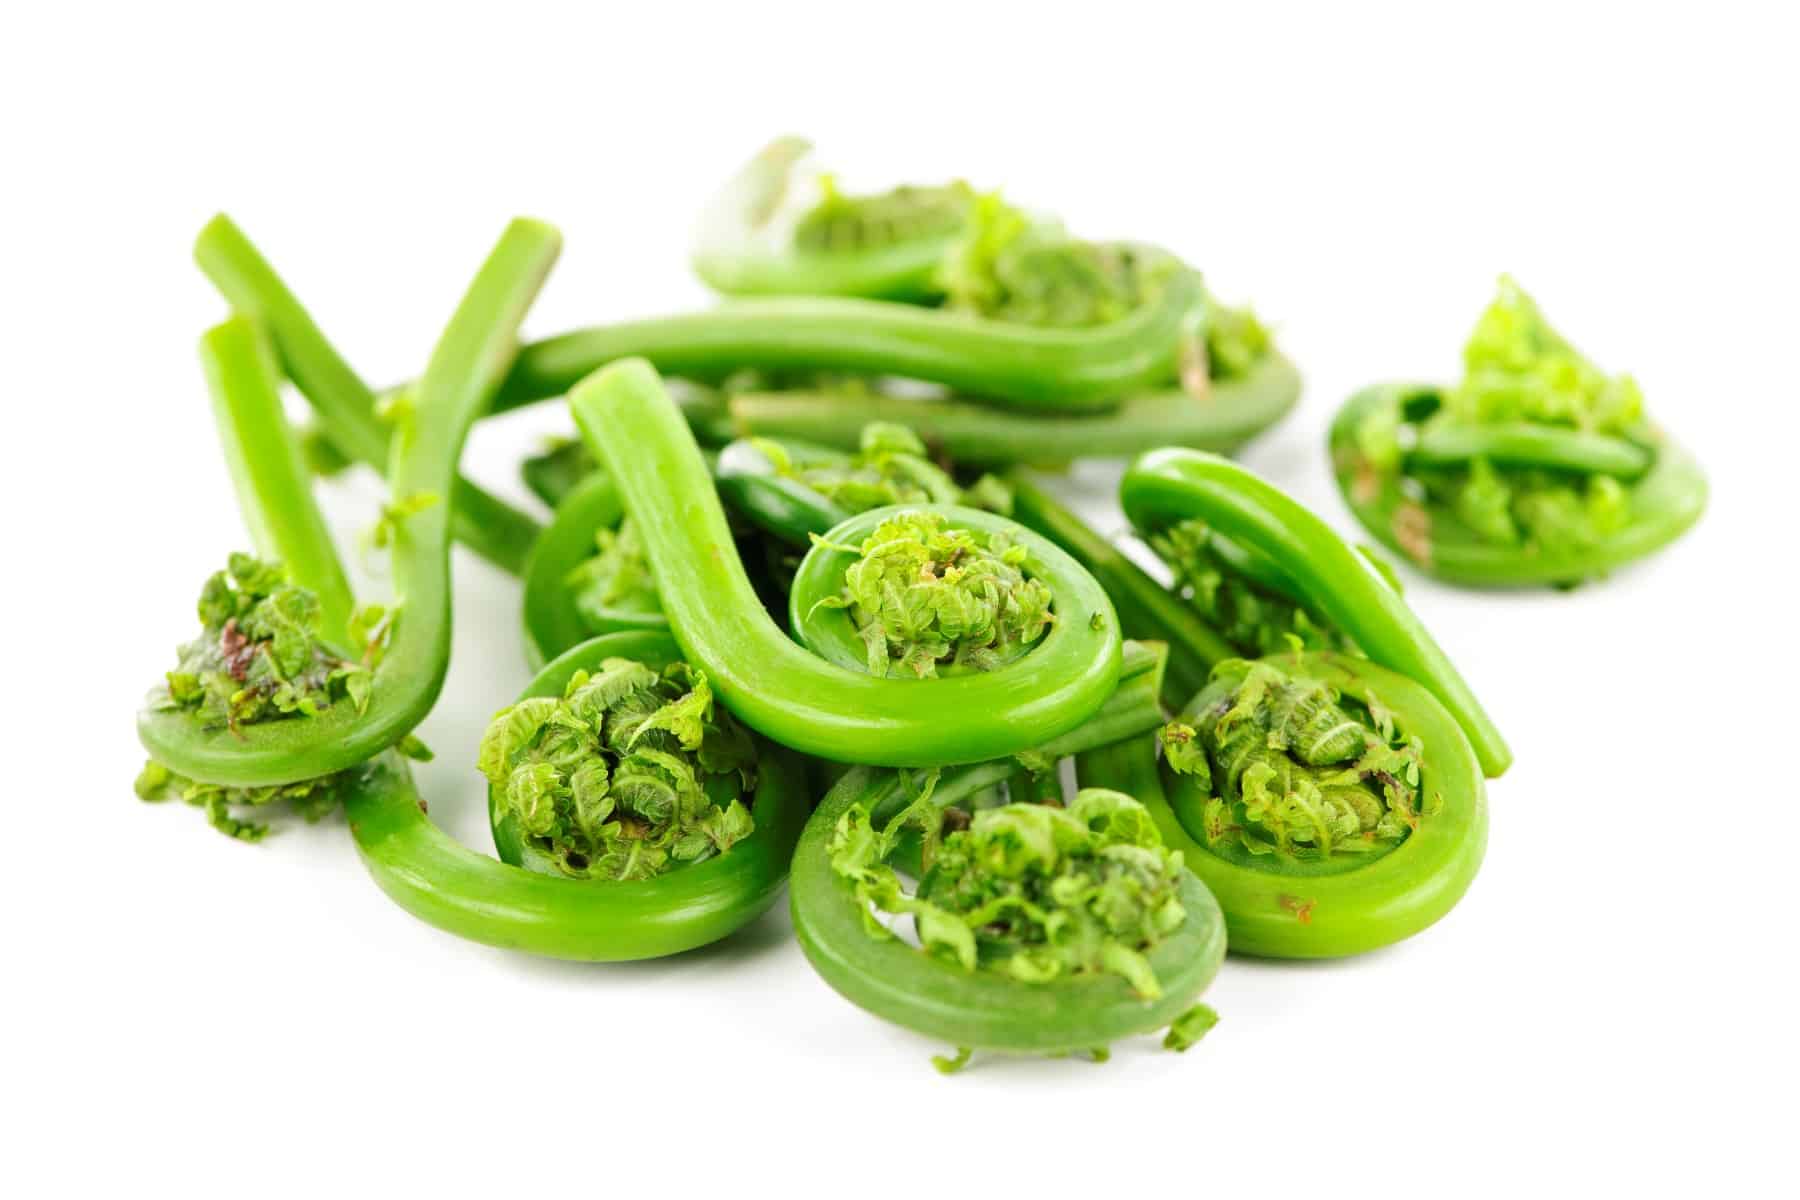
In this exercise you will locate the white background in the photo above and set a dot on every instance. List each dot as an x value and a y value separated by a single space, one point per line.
1610 1005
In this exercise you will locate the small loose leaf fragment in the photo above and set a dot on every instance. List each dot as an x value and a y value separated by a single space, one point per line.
951 1065
1190 1027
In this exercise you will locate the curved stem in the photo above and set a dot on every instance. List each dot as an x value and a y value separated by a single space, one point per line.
1520 444
786 508
770 683
446 884
1274 909
1005 363
1084 633
464 370
1664 503
745 245
1146 608
1230 414
345 404
895 981
274 488
1166 486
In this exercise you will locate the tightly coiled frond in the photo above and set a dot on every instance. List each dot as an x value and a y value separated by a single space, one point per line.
1295 770
629 773
1536 467
925 596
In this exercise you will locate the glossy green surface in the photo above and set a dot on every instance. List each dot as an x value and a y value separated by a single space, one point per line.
983 1010
1524 444
1085 632
738 252
1293 909
1147 609
1666 500
1166 486
444 883
774 503
272 482
1230 414
1065 370
464 370
345 404
771 684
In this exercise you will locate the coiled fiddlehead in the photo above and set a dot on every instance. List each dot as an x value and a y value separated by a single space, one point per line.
1166 487
529 899
464 370
272 659
1536 469
776 229
997 262
790 694
1041 930
1427 819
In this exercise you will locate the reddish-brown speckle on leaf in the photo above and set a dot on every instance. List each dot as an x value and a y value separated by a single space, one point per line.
1302 909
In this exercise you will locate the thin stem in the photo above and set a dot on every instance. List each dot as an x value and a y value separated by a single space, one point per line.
274 488
1007 363
346 406
465 369
1231 413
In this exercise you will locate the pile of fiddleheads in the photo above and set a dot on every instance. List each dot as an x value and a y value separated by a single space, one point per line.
786 626
1537 468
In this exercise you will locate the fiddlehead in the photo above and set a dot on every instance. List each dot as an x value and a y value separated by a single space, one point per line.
1536 469
627 774
679 869
688 823
1040 929
776 228
1414 791
925 598
1287 543
464 370
1285 765
789 693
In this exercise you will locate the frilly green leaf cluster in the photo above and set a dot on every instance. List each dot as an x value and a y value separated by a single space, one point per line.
891 466
1255 619
259 656
616 579
630 773
1236 341
925 597
1035 891
1012 267
840 223
1518 369
1292 769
